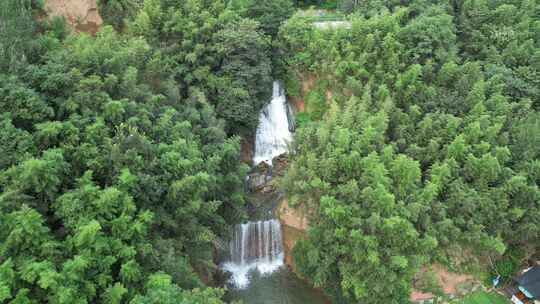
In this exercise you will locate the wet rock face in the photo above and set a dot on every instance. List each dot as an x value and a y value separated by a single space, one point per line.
294 222
80 15
290 118
247 146
261 176
280 164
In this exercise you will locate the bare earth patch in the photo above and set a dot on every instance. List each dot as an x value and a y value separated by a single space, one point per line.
80 15
447 281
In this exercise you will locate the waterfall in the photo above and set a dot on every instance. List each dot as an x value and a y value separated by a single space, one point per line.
258 245
255 246
273 132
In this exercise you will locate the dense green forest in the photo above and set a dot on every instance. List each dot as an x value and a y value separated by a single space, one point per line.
428 148
119 155
120 161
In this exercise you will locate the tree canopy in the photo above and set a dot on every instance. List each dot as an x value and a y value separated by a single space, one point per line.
120 166
414 147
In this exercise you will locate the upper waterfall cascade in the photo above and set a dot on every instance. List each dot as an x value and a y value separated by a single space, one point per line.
273 132
255 245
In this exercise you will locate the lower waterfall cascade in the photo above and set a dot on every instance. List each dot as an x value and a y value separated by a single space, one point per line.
255 246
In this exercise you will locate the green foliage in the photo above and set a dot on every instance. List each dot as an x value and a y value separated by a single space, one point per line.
323 4
428 282
117 12
430 36
116 172
23 103
270 14
301 119
506 269
343 173
119 162
160 290
428 138
315 104
292 85
509 264
17 144
482 297
18 26
242 74
224 60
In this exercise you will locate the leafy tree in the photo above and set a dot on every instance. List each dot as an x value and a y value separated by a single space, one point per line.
429 133
117 12
17 146
430 36
244 78
271 14
224 60
111 176
362 240
159 289
18 26
23 103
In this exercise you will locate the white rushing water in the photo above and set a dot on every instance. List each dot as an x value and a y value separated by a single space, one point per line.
273 132
255 246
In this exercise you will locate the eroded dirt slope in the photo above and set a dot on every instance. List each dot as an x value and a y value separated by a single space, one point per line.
81 15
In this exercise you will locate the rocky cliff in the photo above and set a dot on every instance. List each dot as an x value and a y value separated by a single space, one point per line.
306 83
294 224
80 15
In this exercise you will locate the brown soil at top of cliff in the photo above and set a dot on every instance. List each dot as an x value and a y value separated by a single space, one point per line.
80 15
307 83
297 103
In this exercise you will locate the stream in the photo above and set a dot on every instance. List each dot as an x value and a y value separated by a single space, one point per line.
258 274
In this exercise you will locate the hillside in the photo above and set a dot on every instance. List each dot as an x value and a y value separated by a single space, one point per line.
158 151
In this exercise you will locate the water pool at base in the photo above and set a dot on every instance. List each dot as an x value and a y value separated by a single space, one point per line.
279 287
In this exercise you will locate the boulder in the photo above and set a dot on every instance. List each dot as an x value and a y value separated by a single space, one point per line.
259 178
280 164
